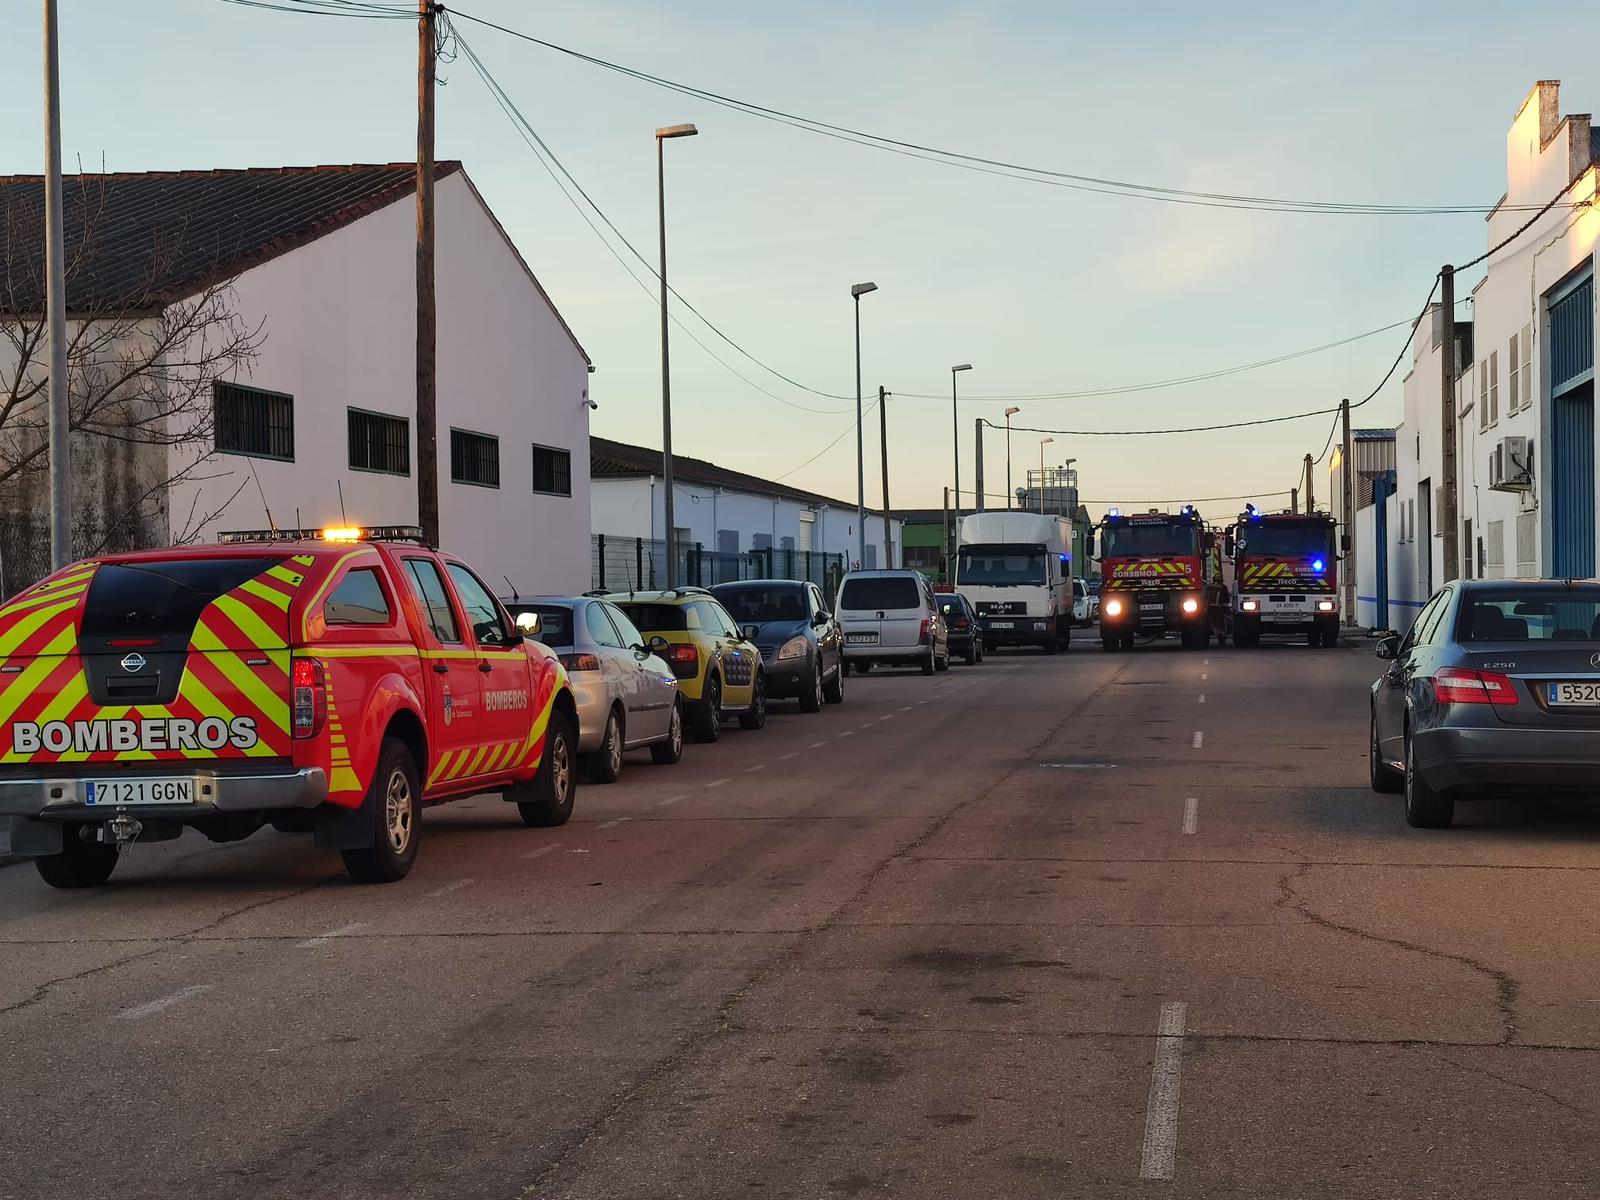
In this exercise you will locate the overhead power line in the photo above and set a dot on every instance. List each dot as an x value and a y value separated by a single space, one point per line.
987 165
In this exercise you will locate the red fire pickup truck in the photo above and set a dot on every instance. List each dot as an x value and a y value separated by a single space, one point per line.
333 684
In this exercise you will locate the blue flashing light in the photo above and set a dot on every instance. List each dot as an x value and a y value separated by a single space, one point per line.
1066 558
1317 565
1113 512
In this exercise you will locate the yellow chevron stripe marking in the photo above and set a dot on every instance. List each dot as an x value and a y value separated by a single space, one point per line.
441 766
262 592
36 599
475 766
274 707
19 687
258 632
27 626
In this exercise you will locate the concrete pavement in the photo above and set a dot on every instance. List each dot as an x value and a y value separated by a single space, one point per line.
1042 927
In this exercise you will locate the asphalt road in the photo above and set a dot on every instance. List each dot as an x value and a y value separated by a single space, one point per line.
1097 925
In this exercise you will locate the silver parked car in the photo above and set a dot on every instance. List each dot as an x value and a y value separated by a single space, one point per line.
892 618
627 696
1495 687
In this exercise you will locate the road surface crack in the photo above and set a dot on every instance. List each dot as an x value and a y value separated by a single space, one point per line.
45 988
1521 1087
1507 989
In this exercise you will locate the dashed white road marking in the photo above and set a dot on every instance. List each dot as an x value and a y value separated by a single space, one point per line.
1207 663
1199 739
1204 676
845 734
542 850
757 767
887 717
615 821
868 725
791 754
342 931
1202 699
1191 814
1160 1154
140 1011
816 745
670 801
907 708
717 782
447 889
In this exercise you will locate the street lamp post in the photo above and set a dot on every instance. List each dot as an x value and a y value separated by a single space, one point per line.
1009 413
669 131
1043 442
955 443
858 290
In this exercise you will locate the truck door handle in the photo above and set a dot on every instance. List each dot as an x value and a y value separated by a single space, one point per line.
485 667
441 668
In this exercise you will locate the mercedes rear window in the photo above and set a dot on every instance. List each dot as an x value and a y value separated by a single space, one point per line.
656 618
893 591
1530 615
161 596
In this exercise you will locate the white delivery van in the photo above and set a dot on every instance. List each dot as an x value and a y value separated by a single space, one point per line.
1016 569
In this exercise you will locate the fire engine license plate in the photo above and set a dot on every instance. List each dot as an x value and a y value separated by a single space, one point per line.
1152 608
1578 695
861 639
138 791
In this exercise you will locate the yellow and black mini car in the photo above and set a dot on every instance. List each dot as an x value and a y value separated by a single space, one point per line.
718 668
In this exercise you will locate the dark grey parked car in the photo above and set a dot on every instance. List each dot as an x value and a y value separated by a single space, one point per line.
966 636
802 646
1495 687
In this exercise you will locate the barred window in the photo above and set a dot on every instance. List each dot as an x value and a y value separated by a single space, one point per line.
474 458
379 442
252 421
552 471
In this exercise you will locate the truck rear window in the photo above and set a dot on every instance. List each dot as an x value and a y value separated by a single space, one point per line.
161 596
657 618
893 591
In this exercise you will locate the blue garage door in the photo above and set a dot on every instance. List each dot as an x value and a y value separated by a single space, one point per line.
1572 491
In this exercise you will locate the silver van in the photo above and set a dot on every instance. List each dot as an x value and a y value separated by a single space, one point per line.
892 618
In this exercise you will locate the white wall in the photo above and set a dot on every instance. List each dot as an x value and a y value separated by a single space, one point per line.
340 320
637 508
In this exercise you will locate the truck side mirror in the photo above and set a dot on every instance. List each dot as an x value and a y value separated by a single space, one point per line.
1228 545
1344 543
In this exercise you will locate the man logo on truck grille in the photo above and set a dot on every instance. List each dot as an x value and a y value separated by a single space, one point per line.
133 663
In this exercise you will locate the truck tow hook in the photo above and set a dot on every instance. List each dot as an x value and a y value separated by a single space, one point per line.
122 829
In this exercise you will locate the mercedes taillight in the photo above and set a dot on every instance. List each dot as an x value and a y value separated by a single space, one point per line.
1458 685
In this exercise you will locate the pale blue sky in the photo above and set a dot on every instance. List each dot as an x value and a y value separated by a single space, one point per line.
1041 288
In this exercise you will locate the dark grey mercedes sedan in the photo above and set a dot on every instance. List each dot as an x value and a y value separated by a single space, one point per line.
1495 687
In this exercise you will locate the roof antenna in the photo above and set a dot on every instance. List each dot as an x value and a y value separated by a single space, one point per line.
515 598
343 520
273 525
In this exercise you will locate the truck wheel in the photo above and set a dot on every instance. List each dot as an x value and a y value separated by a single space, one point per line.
1330 637
547 799
1246 637
670 751
1051 644
1127 640
80 864
708 713
756 718
1109 641
605 764
393 800
1426 807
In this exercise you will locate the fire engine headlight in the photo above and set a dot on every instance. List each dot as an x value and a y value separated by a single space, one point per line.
1325 605
1191 605
1112 608
1250 606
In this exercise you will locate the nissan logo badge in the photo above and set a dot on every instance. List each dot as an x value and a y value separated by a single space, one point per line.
133 663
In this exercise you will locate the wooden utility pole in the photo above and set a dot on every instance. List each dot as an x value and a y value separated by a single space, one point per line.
977 454
1294 500
949 542
427 318
1347 476
883 431
56 304
1311 496
1447 418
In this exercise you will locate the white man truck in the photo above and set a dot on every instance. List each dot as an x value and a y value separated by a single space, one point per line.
1016 569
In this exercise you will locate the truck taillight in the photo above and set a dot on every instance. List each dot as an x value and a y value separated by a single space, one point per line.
922 636
308 697
1457 685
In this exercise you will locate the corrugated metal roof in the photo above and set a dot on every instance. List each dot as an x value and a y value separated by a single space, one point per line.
138 241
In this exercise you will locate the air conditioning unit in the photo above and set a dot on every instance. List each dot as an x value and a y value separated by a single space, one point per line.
1511 465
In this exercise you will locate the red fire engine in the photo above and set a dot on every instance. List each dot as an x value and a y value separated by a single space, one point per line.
1282 577
1155 570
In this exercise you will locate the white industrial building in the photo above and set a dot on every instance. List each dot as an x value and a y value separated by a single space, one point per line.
1523 370
316 426
726 512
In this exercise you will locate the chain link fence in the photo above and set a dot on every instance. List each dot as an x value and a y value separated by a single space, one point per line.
619 564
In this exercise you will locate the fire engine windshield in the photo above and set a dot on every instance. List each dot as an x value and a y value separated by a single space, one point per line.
1000 564
1149 541
1296 541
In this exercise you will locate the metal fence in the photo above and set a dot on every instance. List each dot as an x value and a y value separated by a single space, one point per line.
621 563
